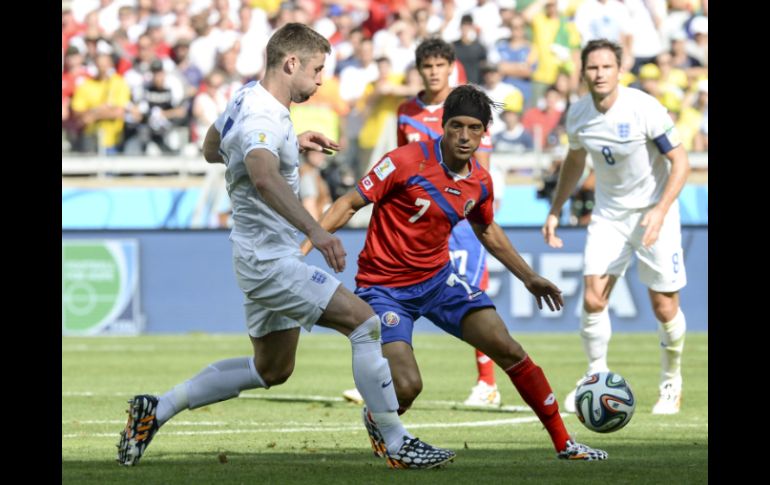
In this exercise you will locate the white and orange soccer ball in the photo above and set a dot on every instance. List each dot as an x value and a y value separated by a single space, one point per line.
604 402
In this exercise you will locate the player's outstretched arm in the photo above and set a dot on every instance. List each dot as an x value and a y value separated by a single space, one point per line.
262 166
653 219
496 242
570 173
211 146
337 215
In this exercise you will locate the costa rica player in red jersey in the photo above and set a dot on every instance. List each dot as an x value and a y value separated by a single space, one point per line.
420 191
419 119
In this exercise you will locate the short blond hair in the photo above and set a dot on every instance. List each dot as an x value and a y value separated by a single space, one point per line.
295 38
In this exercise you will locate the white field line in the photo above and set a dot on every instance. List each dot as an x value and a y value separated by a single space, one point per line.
268 396
303 429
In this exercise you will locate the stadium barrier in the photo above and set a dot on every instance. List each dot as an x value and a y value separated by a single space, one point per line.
185 283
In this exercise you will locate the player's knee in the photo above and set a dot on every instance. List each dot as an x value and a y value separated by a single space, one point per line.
512 353
276 375
665 311
407 389
594 303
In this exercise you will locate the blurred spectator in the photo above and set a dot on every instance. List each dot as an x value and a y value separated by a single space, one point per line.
694 110
227 62
698 46
486 16
203 50
606 19
651 83
646 16
516 59
497 91
682 60
255 32
139 74
401 46
207 105
188 74
469 50
160 107
542 120
381 99
99 106
128 23
72 76
557 43
353 81
513 138
69 27
346 50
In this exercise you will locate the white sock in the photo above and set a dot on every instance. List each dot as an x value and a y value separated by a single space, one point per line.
672 336
219 381
373 380
596 330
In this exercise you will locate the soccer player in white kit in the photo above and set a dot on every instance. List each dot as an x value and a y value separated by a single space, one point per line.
255 138
640 167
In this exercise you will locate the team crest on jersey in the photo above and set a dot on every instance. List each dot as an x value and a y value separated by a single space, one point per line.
367 182
390 319
384 168
624 129
262 137
468 206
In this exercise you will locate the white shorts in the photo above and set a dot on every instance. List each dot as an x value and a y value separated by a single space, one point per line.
281 293
611 242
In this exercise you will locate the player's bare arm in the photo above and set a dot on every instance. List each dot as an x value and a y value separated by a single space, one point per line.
497 243
315 141
211 146
653 219
263 170
338 215
570 173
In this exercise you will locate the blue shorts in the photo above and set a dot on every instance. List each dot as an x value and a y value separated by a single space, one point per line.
444 299
467 253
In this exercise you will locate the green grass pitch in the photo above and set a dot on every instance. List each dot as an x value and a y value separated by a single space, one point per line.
303 432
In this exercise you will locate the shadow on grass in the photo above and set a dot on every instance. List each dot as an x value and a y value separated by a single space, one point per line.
642 463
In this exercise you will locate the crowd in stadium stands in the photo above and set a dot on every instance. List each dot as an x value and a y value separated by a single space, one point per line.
150 76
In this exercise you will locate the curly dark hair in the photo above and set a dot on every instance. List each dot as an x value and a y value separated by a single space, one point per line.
433 47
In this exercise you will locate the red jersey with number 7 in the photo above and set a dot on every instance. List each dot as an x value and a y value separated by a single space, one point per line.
417 201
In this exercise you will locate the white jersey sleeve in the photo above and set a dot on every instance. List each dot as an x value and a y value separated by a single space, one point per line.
660 128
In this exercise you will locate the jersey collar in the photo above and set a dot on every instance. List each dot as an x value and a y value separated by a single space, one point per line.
450 173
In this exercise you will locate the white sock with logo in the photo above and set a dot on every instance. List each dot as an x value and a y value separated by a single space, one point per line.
371 374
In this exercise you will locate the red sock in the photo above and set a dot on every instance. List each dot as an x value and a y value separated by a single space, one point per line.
486 368
535 390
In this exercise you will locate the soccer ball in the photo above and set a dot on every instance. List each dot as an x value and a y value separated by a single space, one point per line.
604 402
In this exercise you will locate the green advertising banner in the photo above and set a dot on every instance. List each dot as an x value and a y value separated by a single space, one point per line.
100 287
